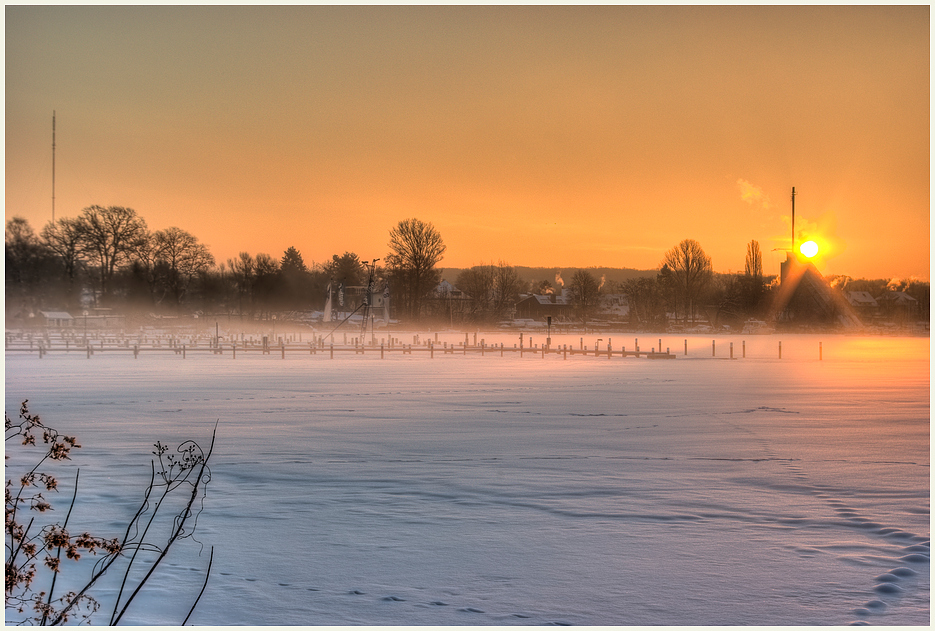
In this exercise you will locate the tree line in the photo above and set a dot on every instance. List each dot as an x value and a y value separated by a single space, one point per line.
107 257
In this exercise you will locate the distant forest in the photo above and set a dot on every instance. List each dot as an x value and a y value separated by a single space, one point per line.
108 258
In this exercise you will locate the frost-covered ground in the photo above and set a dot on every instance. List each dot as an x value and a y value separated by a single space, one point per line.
488 490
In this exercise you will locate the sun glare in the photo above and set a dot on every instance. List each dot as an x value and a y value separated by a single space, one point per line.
809 249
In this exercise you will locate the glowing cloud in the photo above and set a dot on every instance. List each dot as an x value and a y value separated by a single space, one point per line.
753 194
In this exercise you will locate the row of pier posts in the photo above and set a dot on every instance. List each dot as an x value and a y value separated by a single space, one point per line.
359 345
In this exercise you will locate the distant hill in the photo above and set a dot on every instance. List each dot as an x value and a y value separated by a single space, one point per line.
617 274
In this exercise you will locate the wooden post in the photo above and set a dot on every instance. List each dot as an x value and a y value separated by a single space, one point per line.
564 351
136 351
234 349
712 348
183 351
686 347
282 345
743 346
780 349
731 350
501 349
819 351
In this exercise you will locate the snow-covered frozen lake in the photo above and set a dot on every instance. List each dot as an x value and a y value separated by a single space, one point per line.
492 491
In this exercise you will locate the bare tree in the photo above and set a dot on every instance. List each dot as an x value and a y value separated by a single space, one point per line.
146 255
64 239
108 237
242 271
266 275
585 294
754 263
416 247
691 272
184 259
646 302
507 287
477 282
493 290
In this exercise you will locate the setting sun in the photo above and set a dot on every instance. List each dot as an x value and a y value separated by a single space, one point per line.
809 249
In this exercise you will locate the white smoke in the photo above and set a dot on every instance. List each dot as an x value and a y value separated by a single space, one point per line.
558 279
603 278
753 194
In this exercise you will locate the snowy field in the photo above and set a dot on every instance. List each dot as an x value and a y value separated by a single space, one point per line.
468 490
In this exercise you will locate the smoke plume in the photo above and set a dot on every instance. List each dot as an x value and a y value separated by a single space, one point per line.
558 279
753 194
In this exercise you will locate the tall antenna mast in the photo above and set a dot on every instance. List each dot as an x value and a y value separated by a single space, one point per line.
793 221
53 166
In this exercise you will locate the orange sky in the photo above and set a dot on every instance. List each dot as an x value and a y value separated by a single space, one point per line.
552 136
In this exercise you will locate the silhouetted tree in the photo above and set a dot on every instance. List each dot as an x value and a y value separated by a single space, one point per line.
242 271
184 258
109 237
691 271
295 281
266 275
477 283
646 303
29 267
585 295
493 290
145 267
346 269
416 247
754 262
292 262
64 239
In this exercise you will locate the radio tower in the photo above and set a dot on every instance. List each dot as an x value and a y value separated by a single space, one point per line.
53 166
793 221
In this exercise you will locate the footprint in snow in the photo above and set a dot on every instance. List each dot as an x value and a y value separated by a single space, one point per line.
394 599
